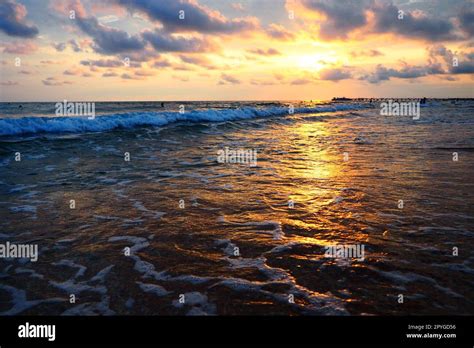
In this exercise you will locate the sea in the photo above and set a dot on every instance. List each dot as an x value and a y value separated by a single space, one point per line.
134 213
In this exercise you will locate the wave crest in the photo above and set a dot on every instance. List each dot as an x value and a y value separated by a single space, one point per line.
79 124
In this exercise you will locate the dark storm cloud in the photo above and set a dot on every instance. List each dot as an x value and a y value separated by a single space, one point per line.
423 27
12 20
345 16
197 18
466 20
462 63
342 16
109 40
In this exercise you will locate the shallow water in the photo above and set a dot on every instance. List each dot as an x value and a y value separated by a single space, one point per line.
345 171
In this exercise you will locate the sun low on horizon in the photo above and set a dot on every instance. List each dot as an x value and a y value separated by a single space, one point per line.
234 50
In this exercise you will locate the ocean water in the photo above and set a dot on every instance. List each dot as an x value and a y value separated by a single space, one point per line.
233 238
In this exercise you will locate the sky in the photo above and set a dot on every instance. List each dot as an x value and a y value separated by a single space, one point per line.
110 50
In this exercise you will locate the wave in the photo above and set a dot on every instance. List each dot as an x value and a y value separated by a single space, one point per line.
79 124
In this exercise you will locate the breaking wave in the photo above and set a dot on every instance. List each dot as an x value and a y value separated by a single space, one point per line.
79 124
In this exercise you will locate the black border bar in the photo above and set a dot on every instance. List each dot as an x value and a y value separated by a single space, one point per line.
262 330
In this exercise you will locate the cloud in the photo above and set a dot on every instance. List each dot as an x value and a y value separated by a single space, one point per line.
263 52
419 27
65 6
49 62
341 17
440 62
12 20
366 53
22 48
162 63
8 83
336 74
199 61
108 63
465 61
301 81
449 78
109 74
163 42
107 19
76 47
73 72
466 20
144 73
228 79
126 76
261 83
60 46
382 73
279 32
141 56
73 44
196 17
52 81
109 40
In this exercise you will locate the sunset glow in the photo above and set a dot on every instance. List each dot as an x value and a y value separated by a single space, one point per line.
221 50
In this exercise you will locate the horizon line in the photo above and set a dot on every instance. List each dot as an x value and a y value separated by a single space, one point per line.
228 100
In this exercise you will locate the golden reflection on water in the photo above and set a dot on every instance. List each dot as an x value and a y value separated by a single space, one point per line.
315 177
309 158
310 169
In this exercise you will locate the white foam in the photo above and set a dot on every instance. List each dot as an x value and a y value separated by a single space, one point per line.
153 289
20 303
81 269
33 125
199 303
89 308
277 228
31 272
139 206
